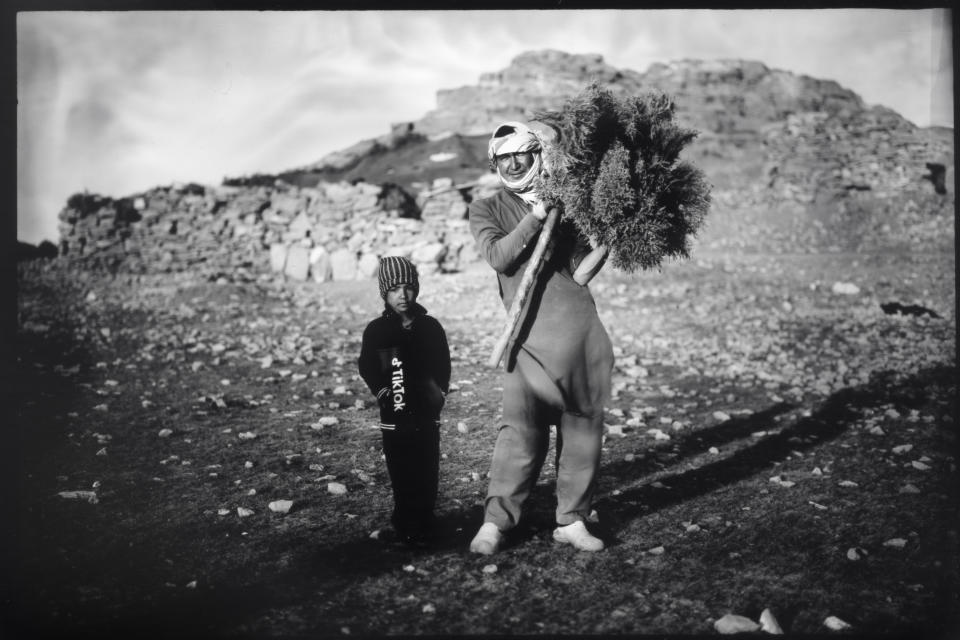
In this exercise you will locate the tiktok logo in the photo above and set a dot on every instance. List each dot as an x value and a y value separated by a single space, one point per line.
396 381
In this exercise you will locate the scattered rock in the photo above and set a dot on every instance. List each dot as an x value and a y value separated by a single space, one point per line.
845 288
732 623
325 421
835 624
769 623
780 481
615 430
280 506
89 496
855 553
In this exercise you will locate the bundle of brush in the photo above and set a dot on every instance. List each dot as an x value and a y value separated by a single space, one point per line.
615 173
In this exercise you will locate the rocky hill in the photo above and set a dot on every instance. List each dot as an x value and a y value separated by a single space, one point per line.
722 96
797 164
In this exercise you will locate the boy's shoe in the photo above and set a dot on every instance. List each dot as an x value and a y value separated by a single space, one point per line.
577 535
487 540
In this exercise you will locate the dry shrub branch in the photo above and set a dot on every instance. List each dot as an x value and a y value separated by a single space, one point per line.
615 171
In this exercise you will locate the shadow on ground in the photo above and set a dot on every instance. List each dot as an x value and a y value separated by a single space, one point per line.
836 415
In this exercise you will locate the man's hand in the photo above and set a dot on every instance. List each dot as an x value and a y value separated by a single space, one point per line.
590 265
539 211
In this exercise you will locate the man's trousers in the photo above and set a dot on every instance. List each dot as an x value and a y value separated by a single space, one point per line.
531 403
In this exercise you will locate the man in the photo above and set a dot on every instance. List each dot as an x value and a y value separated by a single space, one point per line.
560 364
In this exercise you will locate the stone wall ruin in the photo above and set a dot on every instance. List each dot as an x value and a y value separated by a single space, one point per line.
334 231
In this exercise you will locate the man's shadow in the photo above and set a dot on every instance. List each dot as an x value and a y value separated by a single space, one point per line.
538 517
835 416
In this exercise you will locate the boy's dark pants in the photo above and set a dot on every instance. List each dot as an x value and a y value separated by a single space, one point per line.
413 461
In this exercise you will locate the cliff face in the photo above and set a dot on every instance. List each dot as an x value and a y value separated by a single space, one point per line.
534 81
715 97
797 164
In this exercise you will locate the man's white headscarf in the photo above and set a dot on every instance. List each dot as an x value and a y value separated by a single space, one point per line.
514 137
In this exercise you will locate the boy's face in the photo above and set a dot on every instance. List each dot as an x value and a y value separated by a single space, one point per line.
400 297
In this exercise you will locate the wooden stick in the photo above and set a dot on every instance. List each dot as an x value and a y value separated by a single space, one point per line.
524 288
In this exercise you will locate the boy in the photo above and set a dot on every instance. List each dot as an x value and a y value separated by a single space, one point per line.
405 361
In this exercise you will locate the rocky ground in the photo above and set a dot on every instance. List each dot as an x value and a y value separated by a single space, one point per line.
193 459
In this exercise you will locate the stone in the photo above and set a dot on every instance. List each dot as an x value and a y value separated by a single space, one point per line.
845 288
298 263
280 506
432 253
732 623
89 496
343 265
836 624
320 269
769 623
278 257
339 192
287 205
300 227
368 266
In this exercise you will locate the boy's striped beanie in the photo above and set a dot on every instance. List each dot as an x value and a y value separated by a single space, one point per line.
396 270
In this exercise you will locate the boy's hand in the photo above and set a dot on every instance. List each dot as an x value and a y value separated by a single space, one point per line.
383 397
434 395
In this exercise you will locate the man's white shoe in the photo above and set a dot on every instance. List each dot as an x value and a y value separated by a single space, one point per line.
577 535
487 540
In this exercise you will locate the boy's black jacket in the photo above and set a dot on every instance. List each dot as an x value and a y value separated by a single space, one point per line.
407 369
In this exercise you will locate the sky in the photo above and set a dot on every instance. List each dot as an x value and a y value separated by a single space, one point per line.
117 103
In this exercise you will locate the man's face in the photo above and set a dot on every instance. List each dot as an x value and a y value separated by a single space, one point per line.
514 165
400 297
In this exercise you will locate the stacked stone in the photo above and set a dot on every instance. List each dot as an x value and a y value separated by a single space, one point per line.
864 177
874 150
334 231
